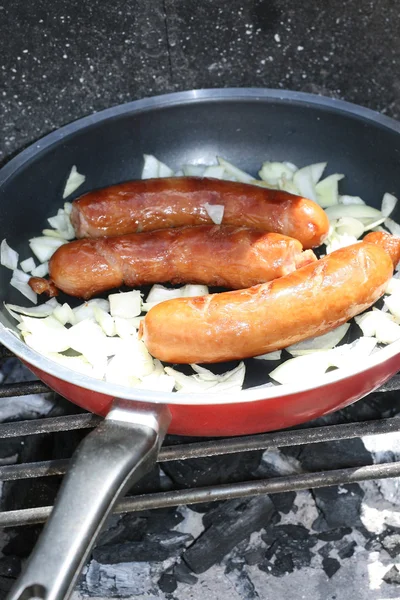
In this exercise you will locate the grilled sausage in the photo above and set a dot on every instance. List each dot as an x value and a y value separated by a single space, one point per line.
310 301
149 204
212 255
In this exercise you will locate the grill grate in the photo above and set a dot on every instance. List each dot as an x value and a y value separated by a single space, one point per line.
192 451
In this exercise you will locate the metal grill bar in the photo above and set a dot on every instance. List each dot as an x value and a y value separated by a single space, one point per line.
31 516
48 425
23 389
278 439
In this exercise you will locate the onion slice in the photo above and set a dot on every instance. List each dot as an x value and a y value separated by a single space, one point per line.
321 342
215 212
74 181
8 256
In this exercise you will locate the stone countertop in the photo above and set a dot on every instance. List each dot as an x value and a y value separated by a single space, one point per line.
67 59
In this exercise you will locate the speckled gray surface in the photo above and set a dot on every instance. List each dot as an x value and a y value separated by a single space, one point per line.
66 59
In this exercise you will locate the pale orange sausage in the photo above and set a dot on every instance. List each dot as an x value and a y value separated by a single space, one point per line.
149 204
212 255
310 301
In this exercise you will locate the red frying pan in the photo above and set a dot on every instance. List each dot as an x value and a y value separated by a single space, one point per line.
247 126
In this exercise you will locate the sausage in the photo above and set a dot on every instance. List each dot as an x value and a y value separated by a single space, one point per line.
308 302
212 255
149 204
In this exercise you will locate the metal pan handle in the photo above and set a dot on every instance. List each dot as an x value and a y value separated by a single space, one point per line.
109 460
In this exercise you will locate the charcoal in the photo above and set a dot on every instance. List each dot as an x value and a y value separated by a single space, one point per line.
326 549
237 574
225 528
160 520
289 545
330 566
283 502
6 584
167 583
253 557
23 541
346 549
393 575
129 528
153 548
147 484
184 575
390 540
333 534
342 454
212 470
338 509
10 566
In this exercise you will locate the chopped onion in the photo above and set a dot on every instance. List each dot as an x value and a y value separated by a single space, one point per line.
65 314
76 363
306 178
340 241
321 342
235 171
24 288
74 181
205 380
130 365
276 355
126 304
85 311
393 227
41 270
105 320
350 200
393 287
379 324
372 223
158 382
88 338
124 328
44 247
53 233
393 304
352 354
43 310
349 226
8 256
28 265
193 170
160 293
357 211
215 171
193 289
273 172
19 275
388 204
47 334
215 212
327 190
155 168
304 368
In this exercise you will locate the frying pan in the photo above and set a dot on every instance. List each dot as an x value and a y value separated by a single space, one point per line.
247 126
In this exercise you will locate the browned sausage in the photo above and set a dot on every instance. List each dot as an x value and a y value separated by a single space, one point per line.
149 204
308 302
211 255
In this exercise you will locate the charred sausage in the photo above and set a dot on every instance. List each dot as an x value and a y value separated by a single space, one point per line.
307 302
149 204
212 255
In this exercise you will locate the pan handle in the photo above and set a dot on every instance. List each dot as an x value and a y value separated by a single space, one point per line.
107 462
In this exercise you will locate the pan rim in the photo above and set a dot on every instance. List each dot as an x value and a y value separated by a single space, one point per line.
20 349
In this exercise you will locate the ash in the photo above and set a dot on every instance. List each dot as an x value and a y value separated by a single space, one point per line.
329 543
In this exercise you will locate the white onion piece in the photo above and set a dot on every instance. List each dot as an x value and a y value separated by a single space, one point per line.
193 289
357 211
215 171
105 320
74 181
327 190
237 173
303 181
88 338
273 172
379 324
68 208
76 363
352 355
340 241
321 342
372 223
155 168
28 265
388 204
350 200
393 304
53 233
304 368
8 256
393 287
349 226
43 310
47 334
393 227
126 304
201 382
44 247
160 293
215 212
25 289
193 170
130 365
85 310
65 314
41 270
124 328
276 355
19 275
